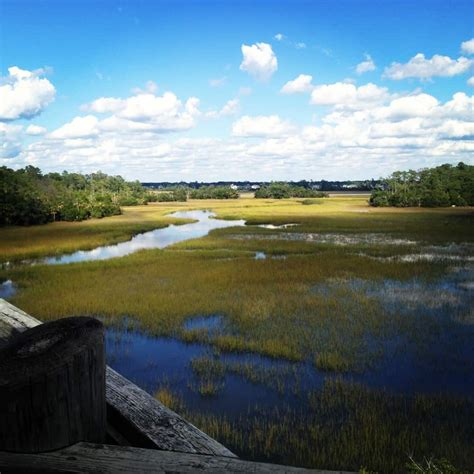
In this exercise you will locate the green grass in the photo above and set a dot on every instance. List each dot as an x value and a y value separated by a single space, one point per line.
332 361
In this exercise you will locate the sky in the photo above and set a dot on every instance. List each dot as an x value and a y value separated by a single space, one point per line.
236 90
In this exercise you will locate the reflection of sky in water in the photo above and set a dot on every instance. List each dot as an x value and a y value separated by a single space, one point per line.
155 239
7 289
153 362
452 295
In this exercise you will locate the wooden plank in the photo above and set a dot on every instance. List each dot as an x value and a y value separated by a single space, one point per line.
13 320
95 458
148 423
132 414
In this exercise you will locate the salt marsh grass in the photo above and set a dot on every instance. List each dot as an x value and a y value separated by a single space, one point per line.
345 425
340 309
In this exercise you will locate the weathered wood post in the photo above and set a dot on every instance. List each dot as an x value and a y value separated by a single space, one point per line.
52 386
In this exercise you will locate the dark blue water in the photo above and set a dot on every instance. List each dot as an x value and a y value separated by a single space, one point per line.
154 362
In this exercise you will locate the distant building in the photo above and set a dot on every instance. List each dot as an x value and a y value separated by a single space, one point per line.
234 187
255 186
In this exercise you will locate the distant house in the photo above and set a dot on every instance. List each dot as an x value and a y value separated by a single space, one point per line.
255 186
234 187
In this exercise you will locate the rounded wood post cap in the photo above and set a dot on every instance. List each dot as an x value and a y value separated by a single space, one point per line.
52 386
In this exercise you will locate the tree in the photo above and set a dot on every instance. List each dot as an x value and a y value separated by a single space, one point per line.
445 185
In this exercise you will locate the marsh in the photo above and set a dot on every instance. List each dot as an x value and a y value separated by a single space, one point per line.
302 344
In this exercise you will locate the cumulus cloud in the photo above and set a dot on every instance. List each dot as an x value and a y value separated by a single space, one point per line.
419 105
259 61
261 126
231 107
79 127
424 68
35 130
279 36
470 81
24 94
345 95
414 131
301 84
10 144
150 88
146 111
366 66
467 47
104 105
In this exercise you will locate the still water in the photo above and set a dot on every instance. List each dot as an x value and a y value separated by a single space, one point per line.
155 239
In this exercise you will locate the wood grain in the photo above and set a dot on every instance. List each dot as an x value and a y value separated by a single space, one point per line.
52 386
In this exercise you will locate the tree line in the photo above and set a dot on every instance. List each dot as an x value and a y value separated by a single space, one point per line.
29 197
442 186
286 190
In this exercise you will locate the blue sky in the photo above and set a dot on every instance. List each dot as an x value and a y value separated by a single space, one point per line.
233 59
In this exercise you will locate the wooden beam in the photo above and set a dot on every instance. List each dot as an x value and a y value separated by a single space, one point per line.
148 423
132 414
95 458
13 320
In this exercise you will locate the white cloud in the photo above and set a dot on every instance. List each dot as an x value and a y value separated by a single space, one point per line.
345 95
420 105
366 66
467 47
300 45
455 129
231 107
10 144
35 130
104 105
146 111
261 126
301 84
423 68
24 94
460 107
349 144
279 36
151 87
79 127
259 61
145 107
470 81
